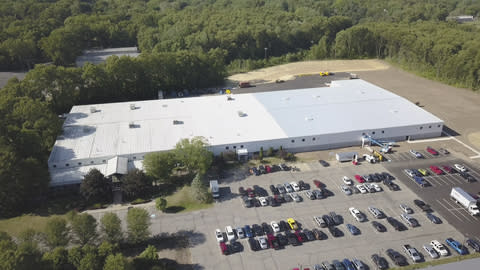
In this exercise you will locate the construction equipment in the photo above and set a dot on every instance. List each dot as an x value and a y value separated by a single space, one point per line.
378 155
385 147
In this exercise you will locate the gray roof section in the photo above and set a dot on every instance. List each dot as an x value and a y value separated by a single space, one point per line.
99 56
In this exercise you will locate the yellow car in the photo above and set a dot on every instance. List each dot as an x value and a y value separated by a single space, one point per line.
423 172
293 225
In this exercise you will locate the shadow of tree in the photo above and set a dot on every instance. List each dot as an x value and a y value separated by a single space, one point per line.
174 209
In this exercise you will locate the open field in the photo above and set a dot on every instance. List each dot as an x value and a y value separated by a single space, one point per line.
14 226
182 201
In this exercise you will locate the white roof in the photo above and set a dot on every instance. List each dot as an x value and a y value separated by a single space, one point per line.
117 165
346 105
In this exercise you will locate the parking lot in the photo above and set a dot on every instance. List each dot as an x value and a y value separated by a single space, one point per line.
231 212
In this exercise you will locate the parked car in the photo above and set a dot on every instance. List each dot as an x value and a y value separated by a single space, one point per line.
358 264
423 172
337 219
282 239
262 170
219 236
254 245
266 228
448 169
432 151
474 244
268 169
412 222
377 213
230 233
352 229
295 186
357 214
250 193
236 247
303 185
346 190
436 170
310 195
319 235
284 167
459 248
460 167
348 264
281 189
422 205
444 151
378 226
430 251
335 231
387 176
434 219
293 225
359 178
318 184
292 239
309 234
274 190
263 201
347 181
247 202
257 230
379 261
397 258
406 209
254 171
328 220
324 163
415 153
327 265
288 188
300 236
263 242
318 194
295 197
338 265
362 188
283 226
320 221
224 248
376 187
397 225
240 232
248 231
439 247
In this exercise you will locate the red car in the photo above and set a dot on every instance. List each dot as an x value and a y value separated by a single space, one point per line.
297 233
447 169
318 183
250 193
436 170
268 169
224 248
432 151
359 178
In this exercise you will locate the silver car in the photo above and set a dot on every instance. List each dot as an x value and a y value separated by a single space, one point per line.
430 251
346 189
288 188
295 197
377 213
406 209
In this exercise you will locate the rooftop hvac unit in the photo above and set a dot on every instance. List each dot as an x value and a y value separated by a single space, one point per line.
177 122
131 125
93 109
241 114
132 106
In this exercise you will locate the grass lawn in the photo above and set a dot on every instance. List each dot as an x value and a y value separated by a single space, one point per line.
14 226
182 201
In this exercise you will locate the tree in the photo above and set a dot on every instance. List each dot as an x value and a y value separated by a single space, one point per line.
56 232
161 204
27 257
147 259
116 262
159 165
95 187
136 184
7 252
260 154
200 190
90 261
84 226
57 259
149 253
106 249
111 226
75 255
194 155
138 222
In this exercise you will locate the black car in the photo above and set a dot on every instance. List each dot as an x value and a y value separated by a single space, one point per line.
259 191
257 230
420 204
335 231
379 261
247 202
266 228
388 176
302 235
278 199
396 257
434 219
327 192
275 244
256 202
287 197
337 219
338 265
283 226
373 177
309 234
282 239
272 202
397 225
292 239
276 168
242 191
254 171
467 177
274 190
253 243
328 220
303 186
324 163
473 244
236 247
262 170
394 187
284 167
379 177
378 226
319 235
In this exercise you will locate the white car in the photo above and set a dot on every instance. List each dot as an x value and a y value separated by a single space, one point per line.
275 226
346 190
295 186
295 197
406 209
219 236
288 188
230 233
263 201
439 247
430 251
362 188
347 181
240 232
263 242
376 187
320 222
356 214
460 167
377 213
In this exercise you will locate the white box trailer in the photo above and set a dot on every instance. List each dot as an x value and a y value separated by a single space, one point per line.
346 156
214 189
467 201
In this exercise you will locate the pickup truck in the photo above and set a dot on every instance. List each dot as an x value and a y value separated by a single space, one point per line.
412 253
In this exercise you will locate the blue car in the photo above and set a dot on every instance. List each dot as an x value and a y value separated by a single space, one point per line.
348 264
248 231
353 229
420 181
459 248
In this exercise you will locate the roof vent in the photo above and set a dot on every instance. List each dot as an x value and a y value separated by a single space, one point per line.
93 109
230 98
241 114
131 125
132 106
309 118
177 122
165 105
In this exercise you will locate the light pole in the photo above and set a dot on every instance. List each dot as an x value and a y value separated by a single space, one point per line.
266 52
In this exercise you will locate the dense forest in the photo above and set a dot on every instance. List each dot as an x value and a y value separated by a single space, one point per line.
191 44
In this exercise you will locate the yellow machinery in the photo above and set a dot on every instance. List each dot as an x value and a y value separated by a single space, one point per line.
378 155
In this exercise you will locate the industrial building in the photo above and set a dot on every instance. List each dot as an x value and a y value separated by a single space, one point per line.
115 137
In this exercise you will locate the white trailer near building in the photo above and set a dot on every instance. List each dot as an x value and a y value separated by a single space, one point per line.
467 201
346 156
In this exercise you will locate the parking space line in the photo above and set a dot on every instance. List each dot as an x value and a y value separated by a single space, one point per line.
449 176
460 210
472 171
446 208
